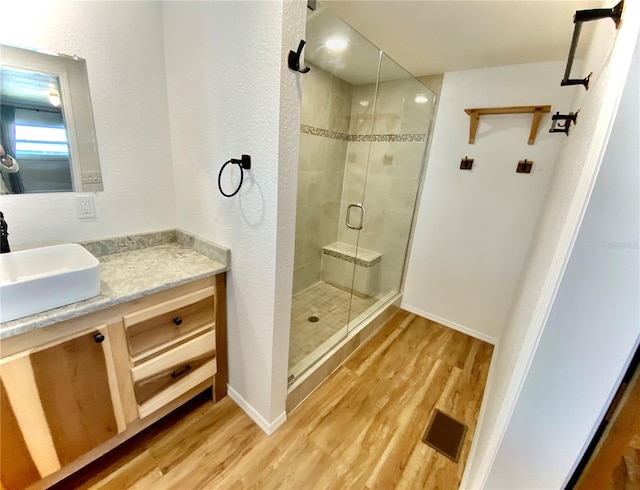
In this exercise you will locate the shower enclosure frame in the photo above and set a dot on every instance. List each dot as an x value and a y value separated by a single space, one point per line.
360 325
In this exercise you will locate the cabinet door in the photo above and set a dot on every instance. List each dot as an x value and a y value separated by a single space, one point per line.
59 401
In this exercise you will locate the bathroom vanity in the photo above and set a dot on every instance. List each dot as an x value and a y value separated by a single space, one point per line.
79 380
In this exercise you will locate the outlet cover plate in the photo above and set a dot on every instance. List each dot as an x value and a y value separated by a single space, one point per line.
85 207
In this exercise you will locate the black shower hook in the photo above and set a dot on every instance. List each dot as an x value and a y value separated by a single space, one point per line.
294 59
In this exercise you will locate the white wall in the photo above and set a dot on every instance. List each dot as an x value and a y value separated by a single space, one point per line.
609 57
593 328
230 93
474 227
124 53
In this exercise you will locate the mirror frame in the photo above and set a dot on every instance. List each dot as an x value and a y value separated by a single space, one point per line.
76 107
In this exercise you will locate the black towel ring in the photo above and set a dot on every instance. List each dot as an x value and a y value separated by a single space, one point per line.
244 163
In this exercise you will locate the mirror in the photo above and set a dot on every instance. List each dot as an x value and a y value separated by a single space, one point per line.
47 136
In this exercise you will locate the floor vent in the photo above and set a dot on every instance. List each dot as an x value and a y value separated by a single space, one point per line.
445 435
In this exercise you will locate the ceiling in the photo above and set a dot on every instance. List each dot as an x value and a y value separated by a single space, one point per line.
435 36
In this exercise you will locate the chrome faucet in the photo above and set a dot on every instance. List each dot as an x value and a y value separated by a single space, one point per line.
4 235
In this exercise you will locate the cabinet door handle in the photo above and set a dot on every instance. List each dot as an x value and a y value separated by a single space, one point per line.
181 371
98 338
177 320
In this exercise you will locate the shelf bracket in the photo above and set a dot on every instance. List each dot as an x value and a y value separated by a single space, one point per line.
536 110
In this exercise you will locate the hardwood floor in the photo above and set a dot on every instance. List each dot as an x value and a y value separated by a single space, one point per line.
615 462
360 429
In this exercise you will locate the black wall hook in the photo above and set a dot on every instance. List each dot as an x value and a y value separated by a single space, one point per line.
466 163
294 59
524 166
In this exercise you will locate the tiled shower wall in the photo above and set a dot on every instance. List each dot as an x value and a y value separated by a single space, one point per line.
393 142
325 119
338 133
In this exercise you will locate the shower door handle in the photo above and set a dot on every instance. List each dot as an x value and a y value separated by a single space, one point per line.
348 218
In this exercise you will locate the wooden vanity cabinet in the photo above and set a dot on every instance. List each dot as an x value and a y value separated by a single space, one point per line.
172 347
73 391
160 327
59 401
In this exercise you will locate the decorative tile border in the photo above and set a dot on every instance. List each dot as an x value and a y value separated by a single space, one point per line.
351 259
399 137
334 135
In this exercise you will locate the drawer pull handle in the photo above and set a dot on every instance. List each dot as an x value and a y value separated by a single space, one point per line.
177 320
181 372
98 338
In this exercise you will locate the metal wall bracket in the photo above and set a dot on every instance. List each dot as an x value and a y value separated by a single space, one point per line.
560 123
614 13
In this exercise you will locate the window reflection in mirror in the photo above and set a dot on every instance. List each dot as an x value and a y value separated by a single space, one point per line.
33 134
47 135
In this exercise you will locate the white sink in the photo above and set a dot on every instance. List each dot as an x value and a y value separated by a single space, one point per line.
40 279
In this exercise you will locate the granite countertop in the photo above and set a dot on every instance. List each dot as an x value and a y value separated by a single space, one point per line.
127 276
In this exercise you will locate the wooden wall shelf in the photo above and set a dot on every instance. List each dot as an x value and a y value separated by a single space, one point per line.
536 110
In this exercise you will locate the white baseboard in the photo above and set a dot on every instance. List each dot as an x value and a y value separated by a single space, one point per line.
448 323
466 484
268 428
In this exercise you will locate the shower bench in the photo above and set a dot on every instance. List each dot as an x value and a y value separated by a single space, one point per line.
338 271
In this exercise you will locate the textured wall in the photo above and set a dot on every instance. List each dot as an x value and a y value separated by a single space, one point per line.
593 327
293 26
128 92
474 227
609 57
224 102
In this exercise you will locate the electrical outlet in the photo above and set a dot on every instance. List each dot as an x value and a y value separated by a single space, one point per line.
85 207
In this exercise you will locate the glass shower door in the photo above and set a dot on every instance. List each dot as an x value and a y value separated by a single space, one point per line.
402 116
354 215
325 247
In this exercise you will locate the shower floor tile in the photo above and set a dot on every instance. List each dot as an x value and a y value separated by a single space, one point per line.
331 306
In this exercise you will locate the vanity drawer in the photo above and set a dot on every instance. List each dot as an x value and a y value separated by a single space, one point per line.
156 329
167 376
